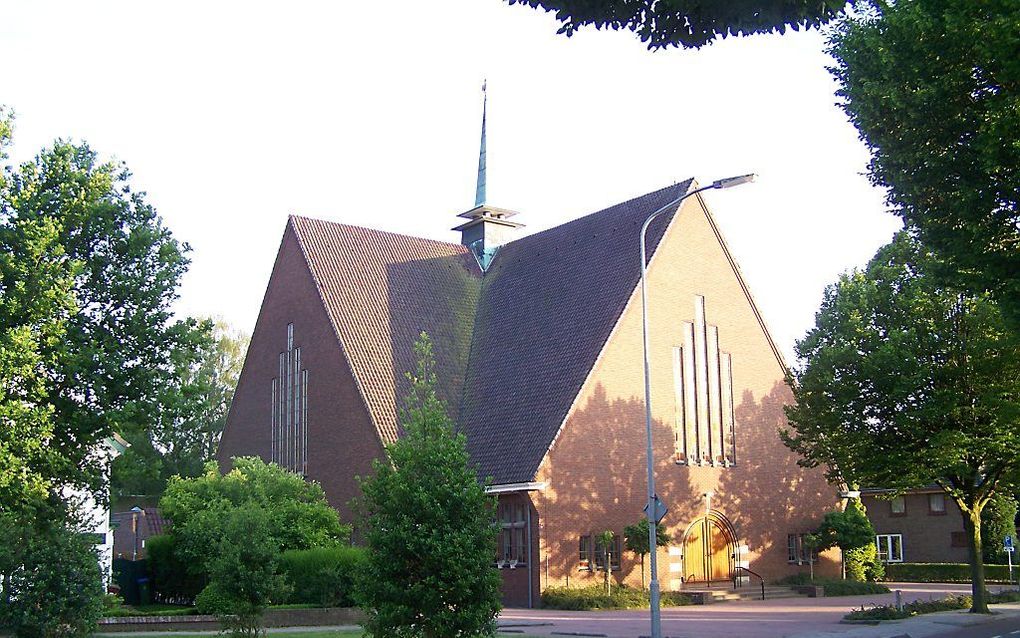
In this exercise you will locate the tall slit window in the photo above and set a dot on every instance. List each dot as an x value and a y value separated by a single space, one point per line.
703 377
290 410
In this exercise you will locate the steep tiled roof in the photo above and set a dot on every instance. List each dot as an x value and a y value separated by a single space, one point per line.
512 348
381 290
549 302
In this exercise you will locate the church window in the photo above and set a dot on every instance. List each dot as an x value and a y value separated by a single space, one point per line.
703 384
936 504
584 562
613 550
289 446
513 545
890 548
797 549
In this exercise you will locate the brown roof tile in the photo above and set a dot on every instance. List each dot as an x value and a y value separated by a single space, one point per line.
512 347
381 291
549 302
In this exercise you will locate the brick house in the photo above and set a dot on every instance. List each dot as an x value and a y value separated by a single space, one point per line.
538 345
132 528
921 526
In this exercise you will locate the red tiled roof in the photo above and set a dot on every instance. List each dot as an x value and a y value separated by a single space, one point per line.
512 348
549 302
381 290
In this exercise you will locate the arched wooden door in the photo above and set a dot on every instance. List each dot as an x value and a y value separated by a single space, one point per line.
708 550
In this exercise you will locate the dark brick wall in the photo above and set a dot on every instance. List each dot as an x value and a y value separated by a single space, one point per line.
927 537
342 442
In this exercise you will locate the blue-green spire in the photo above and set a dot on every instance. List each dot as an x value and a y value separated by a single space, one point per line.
480 187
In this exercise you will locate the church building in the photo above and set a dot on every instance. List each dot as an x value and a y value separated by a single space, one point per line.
538 342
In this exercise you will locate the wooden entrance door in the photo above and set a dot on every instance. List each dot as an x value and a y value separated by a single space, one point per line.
708 552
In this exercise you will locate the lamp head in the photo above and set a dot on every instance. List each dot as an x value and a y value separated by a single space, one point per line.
729 182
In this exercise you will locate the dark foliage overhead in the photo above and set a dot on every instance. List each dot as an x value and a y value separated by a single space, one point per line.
689 23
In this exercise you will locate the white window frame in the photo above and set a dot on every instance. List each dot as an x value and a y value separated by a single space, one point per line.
884 543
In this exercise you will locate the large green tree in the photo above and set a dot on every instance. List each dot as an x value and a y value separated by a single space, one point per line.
689 23
120 347
429 527
905 383
183 435
933 87
36 278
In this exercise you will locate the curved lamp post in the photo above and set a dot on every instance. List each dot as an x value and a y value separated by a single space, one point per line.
651 509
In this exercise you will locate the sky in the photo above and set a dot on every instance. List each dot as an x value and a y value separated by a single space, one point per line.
232 115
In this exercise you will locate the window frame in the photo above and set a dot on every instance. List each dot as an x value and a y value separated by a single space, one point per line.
614 560
902 498
932 511
584 551
888 547
512 540
796 552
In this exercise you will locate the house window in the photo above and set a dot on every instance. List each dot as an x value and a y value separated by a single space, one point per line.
890 548
614 553
898 506
936 504
958 539
584 550
797 550
289 441
513 546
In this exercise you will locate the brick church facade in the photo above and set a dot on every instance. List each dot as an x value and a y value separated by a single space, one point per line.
538 345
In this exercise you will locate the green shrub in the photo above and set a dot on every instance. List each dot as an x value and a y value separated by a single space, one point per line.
56 589
916 608
835 586
1011 596
323 576
862 564
941 573
595 597
171 582
212 600
852 588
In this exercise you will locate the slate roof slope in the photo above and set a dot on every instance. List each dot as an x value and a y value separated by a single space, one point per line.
548 304
381 290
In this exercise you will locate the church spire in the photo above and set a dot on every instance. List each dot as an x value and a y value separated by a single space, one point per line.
480 187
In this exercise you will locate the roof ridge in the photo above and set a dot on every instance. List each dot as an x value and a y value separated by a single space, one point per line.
305 218
584 217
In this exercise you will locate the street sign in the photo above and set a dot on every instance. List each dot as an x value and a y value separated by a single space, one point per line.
1007 543
660 510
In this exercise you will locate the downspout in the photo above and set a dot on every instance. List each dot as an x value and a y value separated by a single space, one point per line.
531 567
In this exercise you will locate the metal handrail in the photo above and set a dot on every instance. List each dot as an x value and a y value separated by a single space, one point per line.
756 574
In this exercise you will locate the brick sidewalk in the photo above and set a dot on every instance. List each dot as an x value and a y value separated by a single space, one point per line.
801 617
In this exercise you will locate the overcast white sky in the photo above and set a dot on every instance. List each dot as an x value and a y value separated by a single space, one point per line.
234 114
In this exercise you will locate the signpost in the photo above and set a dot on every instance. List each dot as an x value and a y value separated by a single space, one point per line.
1007 544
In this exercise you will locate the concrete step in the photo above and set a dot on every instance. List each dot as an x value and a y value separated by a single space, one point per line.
721 595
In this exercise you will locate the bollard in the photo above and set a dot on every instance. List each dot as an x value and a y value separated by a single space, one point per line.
899 600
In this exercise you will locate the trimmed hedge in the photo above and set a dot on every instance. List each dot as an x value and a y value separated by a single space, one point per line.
595 597
942 573
323 576
835 586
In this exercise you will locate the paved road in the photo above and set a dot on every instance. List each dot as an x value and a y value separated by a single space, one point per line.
801 617
1008 627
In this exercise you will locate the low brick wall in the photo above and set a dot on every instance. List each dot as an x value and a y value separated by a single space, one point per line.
273 618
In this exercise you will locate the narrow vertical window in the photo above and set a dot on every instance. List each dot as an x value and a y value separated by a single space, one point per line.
289 420
703 394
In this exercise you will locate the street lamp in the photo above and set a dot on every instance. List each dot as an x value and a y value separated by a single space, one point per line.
651 509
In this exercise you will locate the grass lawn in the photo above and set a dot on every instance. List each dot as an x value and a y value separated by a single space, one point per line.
295 634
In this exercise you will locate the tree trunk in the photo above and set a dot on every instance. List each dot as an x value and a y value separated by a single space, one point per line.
972 524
